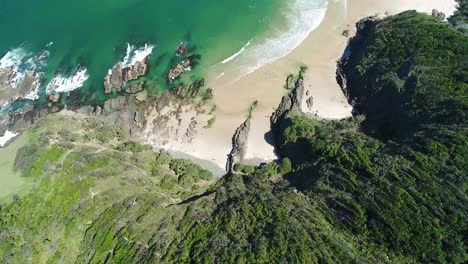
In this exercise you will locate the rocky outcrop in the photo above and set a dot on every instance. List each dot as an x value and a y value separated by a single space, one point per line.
181 49
364 28
290 104
119 76
438 14
24 88
178 70
172 118
310 102
136 88
239 145
19 121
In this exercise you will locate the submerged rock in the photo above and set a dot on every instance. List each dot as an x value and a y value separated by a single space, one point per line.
178 70
181 49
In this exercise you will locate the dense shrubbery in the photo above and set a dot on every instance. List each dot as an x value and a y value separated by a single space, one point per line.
395 194
460 18
403 69
82 187
132 146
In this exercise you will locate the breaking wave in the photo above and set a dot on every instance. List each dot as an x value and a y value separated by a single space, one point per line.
301 17
7 137
134 55
236 54
21 62
61 83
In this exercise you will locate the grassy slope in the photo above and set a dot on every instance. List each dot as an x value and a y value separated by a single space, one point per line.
12 182
393 195
85 185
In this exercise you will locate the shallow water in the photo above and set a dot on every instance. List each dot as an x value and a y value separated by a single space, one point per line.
95 34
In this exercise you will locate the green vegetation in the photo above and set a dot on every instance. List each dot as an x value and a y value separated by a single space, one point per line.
460 18
132 146
386 186
285 166
85 186
11 181
403 69
252 108
211 122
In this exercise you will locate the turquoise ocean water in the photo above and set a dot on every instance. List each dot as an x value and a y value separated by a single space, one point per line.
95 33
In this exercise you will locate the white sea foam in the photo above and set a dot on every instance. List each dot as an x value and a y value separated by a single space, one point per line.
14 59
7 137
61 83
134 55
21 62
34 94
301 18
236 54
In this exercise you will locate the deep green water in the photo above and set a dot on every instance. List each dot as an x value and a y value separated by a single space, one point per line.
94 33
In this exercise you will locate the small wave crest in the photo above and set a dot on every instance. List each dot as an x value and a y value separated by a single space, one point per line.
301 18
61 83
22 62
236 54
134 55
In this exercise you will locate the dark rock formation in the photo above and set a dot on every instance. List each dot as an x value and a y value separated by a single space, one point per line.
22 90
438 14
239 145
136 88
114 80
290 104
310 102
181 49
289 82
119 76
178 70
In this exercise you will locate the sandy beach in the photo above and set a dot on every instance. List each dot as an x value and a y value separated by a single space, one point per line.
319 52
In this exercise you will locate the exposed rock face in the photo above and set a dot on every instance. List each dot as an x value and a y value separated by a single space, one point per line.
114 79
119 76
192 91
17 122
181 49
136 71
364 28
4 121
179 69
135 88
239 145
438 14
54 98
169 119
310 102
24 89
173 118
290 104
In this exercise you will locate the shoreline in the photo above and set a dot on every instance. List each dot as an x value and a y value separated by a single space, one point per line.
319 52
